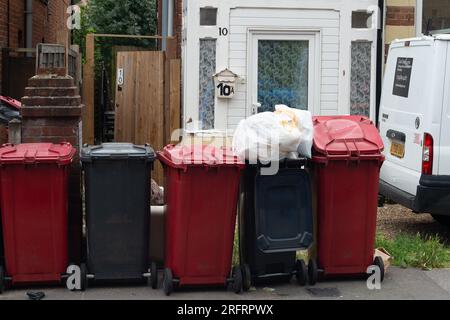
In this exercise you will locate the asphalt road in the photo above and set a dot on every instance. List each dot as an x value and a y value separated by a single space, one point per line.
408 284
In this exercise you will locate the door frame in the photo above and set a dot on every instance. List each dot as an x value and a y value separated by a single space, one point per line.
314 77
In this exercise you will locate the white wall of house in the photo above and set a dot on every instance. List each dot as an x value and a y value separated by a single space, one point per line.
326 24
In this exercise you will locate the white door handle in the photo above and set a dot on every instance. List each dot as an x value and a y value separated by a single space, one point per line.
255 108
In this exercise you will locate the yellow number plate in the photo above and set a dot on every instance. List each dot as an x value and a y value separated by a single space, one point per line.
398 150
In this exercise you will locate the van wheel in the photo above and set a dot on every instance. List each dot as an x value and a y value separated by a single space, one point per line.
445 220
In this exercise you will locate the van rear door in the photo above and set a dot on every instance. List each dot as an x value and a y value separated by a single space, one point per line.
405 104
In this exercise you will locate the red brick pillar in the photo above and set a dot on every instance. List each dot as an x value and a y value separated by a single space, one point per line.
51 112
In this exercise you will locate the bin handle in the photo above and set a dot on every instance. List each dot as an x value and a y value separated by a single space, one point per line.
346 142
162 157
324 160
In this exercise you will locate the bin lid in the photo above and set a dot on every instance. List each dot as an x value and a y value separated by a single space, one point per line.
199 155
11 102
30 153
119 151
346 136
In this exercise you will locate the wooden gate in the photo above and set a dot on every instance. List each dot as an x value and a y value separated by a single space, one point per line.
140 100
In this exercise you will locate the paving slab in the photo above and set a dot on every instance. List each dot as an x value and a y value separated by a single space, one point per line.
404 284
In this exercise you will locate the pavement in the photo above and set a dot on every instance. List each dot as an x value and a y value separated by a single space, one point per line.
403 284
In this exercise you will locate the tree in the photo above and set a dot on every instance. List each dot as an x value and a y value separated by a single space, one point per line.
123 17
117 17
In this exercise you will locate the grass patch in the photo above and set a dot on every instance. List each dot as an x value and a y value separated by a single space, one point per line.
416 251
236 260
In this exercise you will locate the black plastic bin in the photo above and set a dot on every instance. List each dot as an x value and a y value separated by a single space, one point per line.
275 221
117 179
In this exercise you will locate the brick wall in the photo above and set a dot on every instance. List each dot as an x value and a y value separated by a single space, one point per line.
49 23
3 33
51 112
3 29
178 24
400 16
57 31
400 21
16 22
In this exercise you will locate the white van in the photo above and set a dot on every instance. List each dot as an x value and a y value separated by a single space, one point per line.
415 125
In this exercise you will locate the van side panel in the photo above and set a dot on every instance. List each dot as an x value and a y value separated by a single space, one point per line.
444 143
405 115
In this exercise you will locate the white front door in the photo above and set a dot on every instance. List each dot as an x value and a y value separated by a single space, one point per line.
282 70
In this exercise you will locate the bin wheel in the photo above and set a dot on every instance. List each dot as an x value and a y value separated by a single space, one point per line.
246 277
301 273
153 275
237 280
168 282
313 272
378 261
84 277
2 279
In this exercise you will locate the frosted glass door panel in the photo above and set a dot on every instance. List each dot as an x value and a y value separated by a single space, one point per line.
283 72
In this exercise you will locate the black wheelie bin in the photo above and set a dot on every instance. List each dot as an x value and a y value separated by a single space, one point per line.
117 179
275 221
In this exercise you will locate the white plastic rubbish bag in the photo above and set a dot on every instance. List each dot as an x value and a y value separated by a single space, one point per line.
305 125
271 136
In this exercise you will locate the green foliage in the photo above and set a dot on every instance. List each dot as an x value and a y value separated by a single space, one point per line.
79 36
123 17
128 17
236 259
416 251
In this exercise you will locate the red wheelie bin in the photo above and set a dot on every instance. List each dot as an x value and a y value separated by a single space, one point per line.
347 158
202 186
34 187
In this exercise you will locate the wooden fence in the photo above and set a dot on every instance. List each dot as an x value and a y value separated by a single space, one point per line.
147 95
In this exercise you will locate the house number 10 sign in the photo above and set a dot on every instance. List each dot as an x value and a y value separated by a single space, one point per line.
225 82
225 90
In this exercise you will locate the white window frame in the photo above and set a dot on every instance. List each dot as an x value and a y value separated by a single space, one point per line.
314 82
419 17
365 35
419 20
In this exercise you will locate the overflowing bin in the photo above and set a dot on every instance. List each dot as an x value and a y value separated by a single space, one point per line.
117 178
276 220
34 202
202 185
346 165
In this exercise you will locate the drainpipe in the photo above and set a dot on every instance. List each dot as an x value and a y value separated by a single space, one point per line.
29 25
170 18
167 21
164 24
